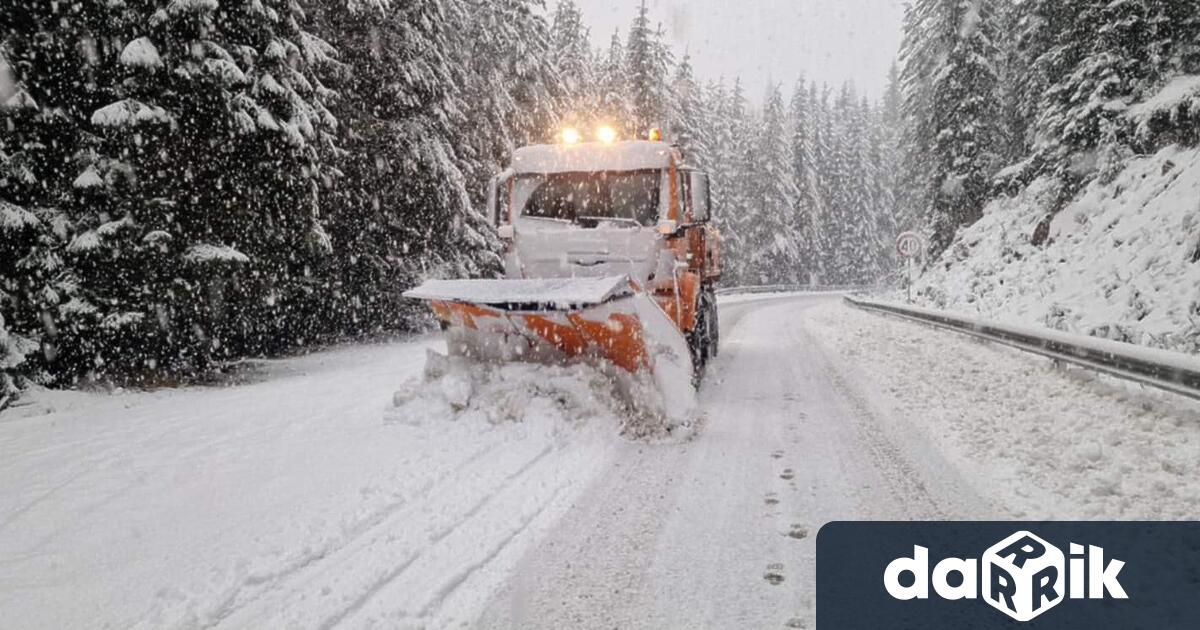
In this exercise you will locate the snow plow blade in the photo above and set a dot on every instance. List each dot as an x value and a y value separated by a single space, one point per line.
609 322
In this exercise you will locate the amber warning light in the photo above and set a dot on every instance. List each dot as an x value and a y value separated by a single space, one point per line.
571 135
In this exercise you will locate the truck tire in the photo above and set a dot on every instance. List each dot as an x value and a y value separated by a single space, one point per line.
696 344
714 325
703 339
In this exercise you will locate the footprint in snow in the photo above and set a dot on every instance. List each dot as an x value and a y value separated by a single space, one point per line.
771 499
795 622
788 474
798 531
774 574
777 455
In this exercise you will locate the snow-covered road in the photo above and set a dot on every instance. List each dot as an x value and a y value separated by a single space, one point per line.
302 501
720 531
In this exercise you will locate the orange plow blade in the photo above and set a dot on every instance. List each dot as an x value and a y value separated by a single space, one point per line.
607 322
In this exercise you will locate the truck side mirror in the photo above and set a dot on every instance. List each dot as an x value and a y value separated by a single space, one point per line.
498 198
701 200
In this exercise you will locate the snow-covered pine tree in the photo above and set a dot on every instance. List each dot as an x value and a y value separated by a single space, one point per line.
1082 111
664 58
951 105
1176 37
647 65
198 204
719 145
52 79
510 94
1174 53
890 136
691 126
572 57
12 359
875 177
615 107
804 176
1091 60
401 208
771 233
1015 74
846 225
823 231
884 154
734 165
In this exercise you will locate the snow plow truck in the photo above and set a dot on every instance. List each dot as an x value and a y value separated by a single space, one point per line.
609 259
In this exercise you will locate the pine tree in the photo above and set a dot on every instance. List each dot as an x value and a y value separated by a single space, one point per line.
890 137
690 128
572 57
647 64
614 105
736 164
202 237
1015 79
771 234
846 225
402 207
11 361
804 176
720 146
1082 111
511 93
824 224
186 144
49 57
951 103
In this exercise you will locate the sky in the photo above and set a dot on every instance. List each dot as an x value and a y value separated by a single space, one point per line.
769 40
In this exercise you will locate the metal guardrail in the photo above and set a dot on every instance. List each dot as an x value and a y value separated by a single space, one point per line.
1174 372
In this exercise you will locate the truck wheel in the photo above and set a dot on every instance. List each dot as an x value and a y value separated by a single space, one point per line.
698 343
714 325
703 339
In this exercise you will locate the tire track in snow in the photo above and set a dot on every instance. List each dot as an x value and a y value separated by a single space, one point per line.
437 537
254 586
339 586
471 561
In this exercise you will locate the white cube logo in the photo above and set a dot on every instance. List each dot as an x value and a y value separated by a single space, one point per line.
1023 576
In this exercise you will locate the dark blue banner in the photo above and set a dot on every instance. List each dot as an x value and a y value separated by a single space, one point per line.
1027 576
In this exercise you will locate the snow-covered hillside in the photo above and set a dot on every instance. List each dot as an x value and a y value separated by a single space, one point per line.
1122 261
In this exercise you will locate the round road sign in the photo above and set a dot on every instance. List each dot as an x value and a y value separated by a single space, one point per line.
910 244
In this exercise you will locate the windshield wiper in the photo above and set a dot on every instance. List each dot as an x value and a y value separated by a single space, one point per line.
550 219
596 221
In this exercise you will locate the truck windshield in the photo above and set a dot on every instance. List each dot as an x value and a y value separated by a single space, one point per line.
590 198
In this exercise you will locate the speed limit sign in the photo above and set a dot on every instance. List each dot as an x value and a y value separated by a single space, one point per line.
910 244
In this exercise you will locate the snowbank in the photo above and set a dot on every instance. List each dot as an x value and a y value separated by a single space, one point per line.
1042 442
459 390
1122 261
456 389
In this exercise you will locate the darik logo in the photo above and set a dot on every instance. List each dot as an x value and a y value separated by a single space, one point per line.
1022 576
